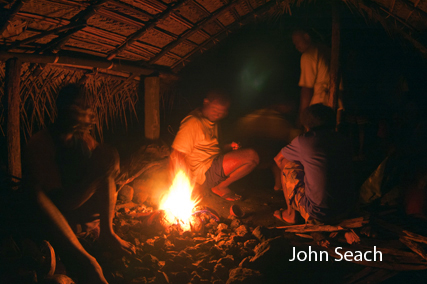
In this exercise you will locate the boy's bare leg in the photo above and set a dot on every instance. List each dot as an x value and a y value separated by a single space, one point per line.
277 177
236 164
289 214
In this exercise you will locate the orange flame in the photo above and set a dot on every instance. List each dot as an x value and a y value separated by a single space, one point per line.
178 204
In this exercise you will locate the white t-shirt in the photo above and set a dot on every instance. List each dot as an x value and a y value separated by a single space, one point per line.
197 138
315 74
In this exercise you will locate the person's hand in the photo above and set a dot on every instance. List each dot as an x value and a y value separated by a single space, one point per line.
235 146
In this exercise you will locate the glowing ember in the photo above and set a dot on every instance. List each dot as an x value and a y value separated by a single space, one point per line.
177 204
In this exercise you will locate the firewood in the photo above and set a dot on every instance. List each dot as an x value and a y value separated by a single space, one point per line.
333 235
351 237
401 232
313 228
304 236
414 247
346 224
415 237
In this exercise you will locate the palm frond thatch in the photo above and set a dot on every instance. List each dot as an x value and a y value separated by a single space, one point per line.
110 97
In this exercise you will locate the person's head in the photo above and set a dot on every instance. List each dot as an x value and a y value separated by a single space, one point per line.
318 115
74 112
302 40
215 105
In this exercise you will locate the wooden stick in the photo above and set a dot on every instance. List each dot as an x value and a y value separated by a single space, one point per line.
315 228
346 224
415 237
46 33
401 232
414 247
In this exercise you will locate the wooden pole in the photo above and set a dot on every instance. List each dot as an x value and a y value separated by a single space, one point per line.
335 54
152 107
12 92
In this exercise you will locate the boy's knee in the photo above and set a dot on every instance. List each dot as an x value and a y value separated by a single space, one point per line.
253 156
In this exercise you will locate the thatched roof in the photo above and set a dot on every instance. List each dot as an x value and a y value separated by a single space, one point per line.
147 35
83 41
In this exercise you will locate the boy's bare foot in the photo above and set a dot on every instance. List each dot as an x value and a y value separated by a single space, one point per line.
277 187
288 215
226 193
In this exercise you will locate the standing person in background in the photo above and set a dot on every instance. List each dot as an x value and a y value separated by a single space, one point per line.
314 78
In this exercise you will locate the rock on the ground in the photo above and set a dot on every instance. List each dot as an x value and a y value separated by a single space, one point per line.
244 276
125 194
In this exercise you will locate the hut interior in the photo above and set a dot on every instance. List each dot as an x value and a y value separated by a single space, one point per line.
145 64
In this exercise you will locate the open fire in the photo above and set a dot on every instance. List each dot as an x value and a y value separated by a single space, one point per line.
178 204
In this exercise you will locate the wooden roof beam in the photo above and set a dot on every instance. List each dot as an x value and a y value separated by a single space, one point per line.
249 5
82 60
235 14
4 22
81 18
373 5
132 38
133 9
195 29
207 13
413 7
43 18
46 33
378 17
